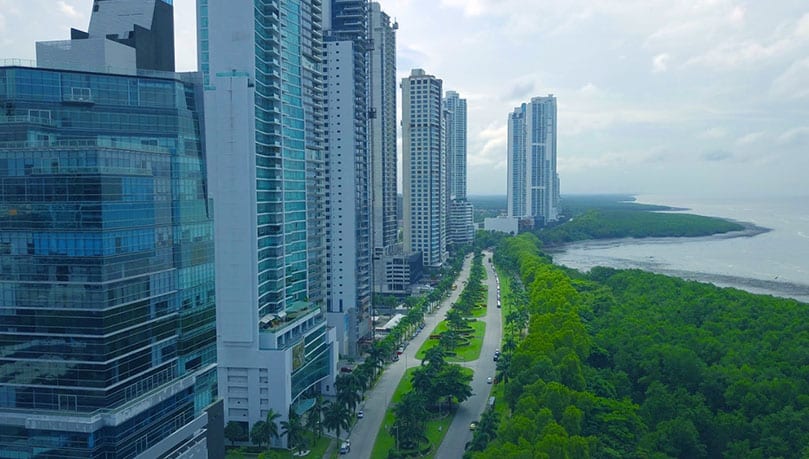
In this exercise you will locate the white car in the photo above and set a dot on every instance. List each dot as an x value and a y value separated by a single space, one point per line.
360 414
345 448
489 380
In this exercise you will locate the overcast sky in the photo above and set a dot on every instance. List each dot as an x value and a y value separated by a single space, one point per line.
654 96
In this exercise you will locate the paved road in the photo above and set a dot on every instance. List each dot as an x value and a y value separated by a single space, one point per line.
459 434
378 398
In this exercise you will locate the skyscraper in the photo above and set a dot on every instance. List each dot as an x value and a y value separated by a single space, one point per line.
107 305
456 144
424 165
382 142
460 227
349 251
533 184
262 64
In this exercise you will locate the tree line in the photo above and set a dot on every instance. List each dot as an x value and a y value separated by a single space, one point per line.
629 364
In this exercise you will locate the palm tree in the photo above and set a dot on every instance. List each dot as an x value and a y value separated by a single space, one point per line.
259 433
336 417
377 356
348 387
410 420
293 430
314 418
272 427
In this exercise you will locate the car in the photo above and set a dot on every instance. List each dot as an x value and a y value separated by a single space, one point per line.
496 357
473 426
489 380
360 414
345 448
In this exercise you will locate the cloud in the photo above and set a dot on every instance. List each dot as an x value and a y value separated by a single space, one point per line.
660 63
792 84
716 155
737 16
713 133
492 143
798 137
519 91
734 51
749 139
67 10
590 90
470 7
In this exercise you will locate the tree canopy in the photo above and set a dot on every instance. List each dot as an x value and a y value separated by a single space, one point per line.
633 364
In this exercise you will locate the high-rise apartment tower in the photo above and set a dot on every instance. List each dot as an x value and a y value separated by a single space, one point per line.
264 92
533 184
460 225
348 226
424 166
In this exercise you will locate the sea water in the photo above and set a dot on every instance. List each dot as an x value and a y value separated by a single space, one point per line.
774 262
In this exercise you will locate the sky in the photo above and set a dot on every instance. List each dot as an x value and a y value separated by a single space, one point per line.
697 98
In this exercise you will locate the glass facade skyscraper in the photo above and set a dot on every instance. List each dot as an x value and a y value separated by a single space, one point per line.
107 311
533 183
265 135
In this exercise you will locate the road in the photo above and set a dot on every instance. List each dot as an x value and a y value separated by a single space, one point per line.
459 434
377 399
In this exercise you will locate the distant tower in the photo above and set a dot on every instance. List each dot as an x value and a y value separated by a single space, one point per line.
461 228
424 168
533 183
456 144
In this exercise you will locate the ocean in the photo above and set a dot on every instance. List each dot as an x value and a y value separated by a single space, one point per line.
774 262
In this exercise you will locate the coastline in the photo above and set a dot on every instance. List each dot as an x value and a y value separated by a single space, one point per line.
774 263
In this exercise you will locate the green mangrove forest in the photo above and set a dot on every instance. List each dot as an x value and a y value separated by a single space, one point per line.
629 364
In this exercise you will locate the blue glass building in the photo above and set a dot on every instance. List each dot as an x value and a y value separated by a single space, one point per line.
107 311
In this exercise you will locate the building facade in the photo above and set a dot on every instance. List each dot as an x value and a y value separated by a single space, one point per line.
348 227
461 222
461 229
264 92
107 303
106 253
382 142
424 168
124 36
533 183
456 145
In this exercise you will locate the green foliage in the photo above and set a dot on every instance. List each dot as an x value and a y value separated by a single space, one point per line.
612 224
259 433
235 432
628 364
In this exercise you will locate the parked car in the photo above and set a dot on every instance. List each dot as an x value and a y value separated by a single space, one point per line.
489 380
345 448
360 414
473 426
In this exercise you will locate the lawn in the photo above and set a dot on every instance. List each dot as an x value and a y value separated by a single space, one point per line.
436 428
384 441
471 351
462 353
318 450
